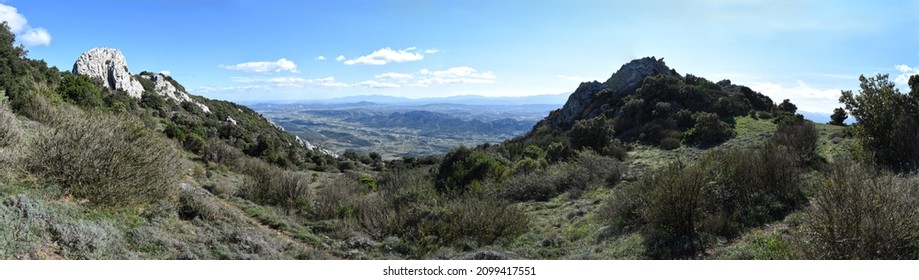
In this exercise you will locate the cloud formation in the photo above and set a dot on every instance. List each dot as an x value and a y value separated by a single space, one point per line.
320 58
806 97
18 24
340 58
905 72
456 75
387 55
264 66
394 76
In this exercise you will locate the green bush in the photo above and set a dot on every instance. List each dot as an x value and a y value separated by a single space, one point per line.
528 186
107 159
800 137
463 167
194 143
81 90
9 127
751 187
596 133
709 129
267 184
859 213
559 151
886 121
675 210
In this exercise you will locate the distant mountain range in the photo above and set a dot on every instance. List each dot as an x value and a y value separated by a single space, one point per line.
549 99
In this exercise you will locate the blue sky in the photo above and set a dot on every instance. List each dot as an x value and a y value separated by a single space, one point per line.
243 51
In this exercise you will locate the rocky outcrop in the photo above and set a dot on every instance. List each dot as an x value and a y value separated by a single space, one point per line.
110 66
581 103
164 87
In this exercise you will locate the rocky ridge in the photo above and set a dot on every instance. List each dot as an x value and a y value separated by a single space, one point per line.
581 103
110 66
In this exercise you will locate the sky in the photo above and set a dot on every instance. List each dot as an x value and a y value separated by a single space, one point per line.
275 50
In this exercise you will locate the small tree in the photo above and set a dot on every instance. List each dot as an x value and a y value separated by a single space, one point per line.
787 106
839 117
595 133
887 122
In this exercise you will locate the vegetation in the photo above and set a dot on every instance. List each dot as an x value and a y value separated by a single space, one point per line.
108 160
887 121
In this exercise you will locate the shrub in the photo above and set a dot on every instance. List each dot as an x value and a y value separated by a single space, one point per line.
81 90
528 186
107 159
218 151
339 199
481 219
787 106
752 186
9 126
463 167
559 151
709 129
670 143
800 137
839 117
858 213
271 185
674 211
886 121
194 143
596 133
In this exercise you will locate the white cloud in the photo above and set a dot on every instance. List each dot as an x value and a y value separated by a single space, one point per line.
327 82
166 72
807 98
340 58
320 58
207 89
387 55
20 26
265 66
577 78
36 37
376 84
905 72
13 18
456 75
431 51
273 81
394 76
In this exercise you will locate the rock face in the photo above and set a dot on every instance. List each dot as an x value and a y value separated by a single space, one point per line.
110 66
581 103
162 86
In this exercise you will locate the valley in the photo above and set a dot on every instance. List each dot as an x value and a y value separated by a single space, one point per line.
404 130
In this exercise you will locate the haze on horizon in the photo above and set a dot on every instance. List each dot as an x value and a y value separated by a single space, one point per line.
245 51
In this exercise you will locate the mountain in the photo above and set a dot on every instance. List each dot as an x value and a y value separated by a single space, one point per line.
646 101
550 99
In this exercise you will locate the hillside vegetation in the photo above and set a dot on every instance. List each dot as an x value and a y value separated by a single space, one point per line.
650 164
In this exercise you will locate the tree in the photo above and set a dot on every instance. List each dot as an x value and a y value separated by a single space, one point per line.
787 106
595 133
887 122
81 90
839 117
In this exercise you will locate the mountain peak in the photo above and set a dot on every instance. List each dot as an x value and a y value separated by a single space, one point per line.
624 81
110 66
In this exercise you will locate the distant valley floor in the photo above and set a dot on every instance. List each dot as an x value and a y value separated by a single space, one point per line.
403 130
